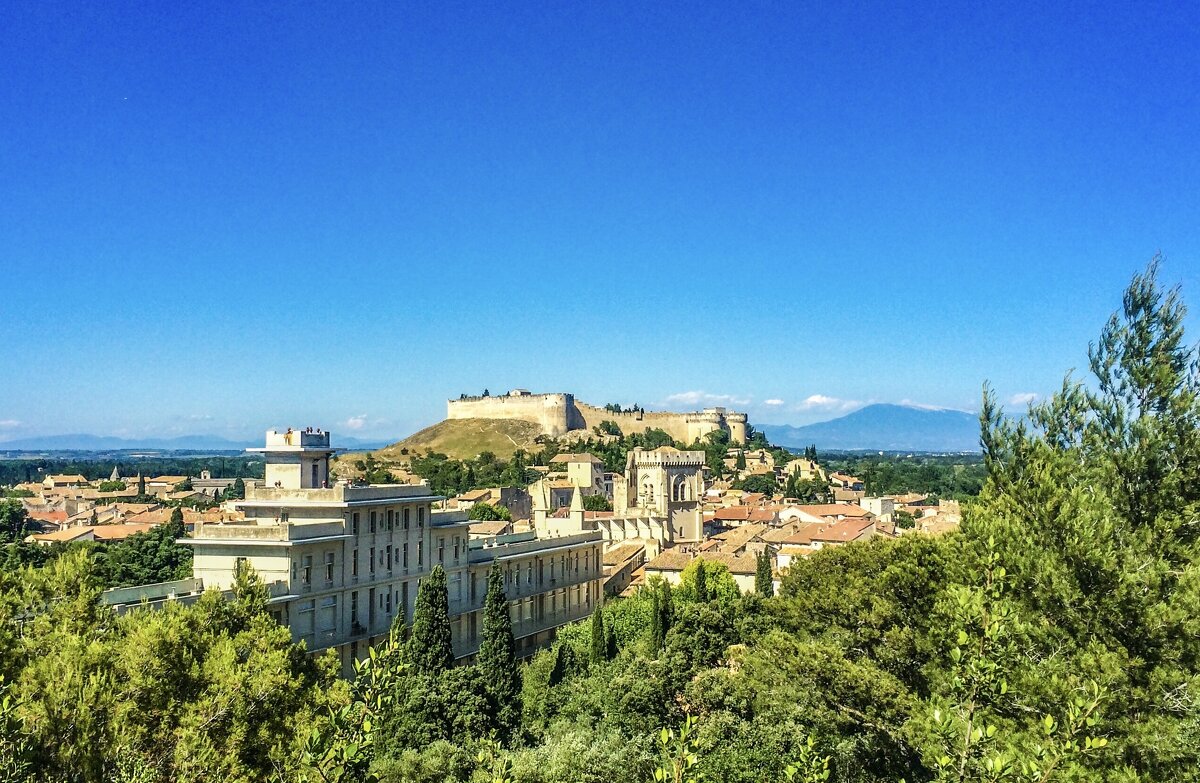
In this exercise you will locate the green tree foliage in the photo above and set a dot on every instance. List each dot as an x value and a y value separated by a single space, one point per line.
145 558
596 503
429 650
764 583
373 471
599 640
758 482
215 690
486 512
497 657
453 477
706 580
15 524
236 490
960 476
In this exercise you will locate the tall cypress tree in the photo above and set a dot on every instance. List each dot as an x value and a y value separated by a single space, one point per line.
667 608
599 642
564 662
657 633
429 649
701 583
498 655
763 584
141 486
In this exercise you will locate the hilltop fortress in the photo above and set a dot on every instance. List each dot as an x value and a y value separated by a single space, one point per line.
559 414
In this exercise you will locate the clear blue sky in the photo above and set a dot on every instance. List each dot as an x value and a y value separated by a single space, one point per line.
218 220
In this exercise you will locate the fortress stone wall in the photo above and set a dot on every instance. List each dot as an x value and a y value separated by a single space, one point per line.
558 414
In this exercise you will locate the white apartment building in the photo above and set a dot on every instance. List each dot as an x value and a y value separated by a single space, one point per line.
343 561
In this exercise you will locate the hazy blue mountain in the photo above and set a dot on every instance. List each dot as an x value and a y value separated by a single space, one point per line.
85 442
884 428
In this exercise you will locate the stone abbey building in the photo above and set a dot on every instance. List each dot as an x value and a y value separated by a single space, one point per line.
559 414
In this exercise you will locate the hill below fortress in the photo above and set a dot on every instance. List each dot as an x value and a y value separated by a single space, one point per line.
503 424
466 438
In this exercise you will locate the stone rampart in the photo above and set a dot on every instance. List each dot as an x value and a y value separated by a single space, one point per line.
558 414
550 411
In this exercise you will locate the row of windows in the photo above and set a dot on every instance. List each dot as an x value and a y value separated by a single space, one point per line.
379 522
386 557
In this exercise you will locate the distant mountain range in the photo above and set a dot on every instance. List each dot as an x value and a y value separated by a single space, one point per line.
884 428
83 442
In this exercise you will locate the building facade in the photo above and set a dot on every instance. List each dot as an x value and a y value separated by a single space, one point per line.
343 562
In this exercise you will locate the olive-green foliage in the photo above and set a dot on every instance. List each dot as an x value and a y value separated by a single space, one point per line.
437 762
188 693
704 580
486 512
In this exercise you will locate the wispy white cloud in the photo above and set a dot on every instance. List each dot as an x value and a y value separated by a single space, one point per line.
1023 398
825 403
773 402
922 405
927 407
697 398
356 422
8 424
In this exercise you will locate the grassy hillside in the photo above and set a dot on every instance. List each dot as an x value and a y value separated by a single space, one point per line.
465 438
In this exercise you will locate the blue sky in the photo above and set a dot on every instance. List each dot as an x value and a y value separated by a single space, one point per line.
218 220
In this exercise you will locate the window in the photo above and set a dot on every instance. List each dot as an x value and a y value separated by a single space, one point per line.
390 514
405 555
327 617
354 523
456 547
372 521
421 516
354 608
441 550
406 516
329 567
420 554
372 555
306 575
306 620
388 557
354 563
529 573
388 605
